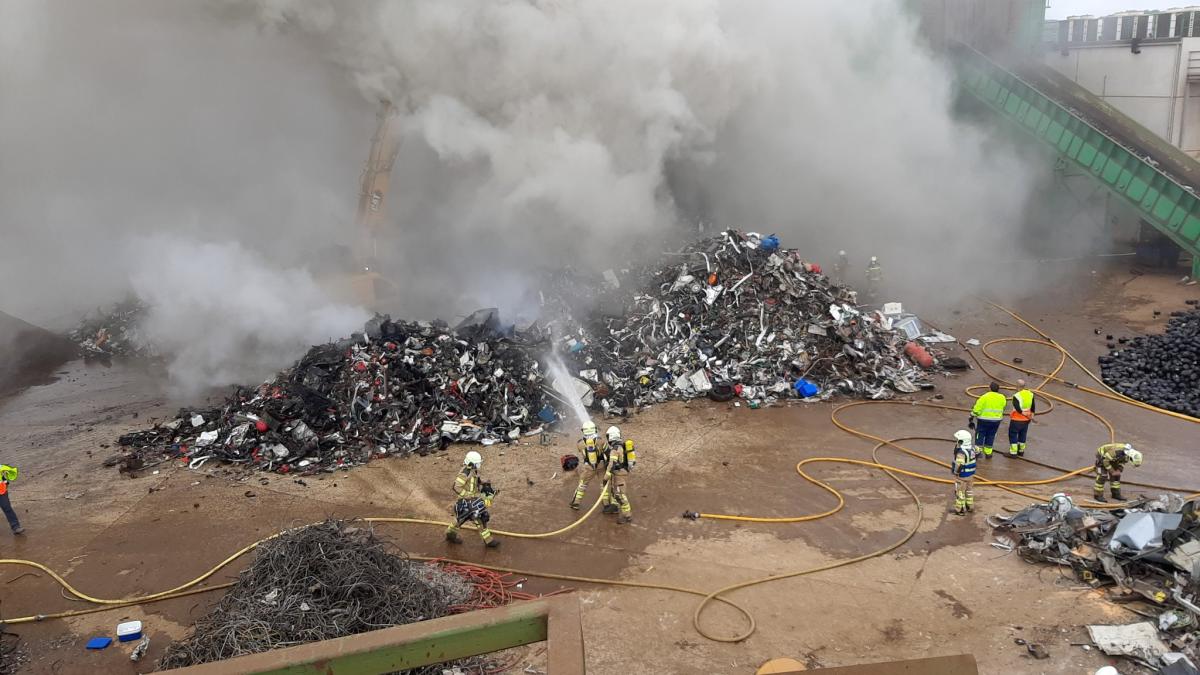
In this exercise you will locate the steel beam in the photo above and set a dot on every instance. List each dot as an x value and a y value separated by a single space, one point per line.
555 620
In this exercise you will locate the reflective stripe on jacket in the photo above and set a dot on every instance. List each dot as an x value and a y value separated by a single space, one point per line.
990 406
964 461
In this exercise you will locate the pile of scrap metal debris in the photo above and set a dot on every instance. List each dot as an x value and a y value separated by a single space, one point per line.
397 388
1149 551
1162 370
736 315
113 331
322 582
728 316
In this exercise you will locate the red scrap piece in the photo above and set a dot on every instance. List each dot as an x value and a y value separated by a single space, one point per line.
260 426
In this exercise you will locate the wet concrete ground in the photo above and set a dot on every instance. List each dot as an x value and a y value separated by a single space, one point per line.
945 591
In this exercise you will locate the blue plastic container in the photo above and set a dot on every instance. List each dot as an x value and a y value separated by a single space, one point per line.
806 388
770 243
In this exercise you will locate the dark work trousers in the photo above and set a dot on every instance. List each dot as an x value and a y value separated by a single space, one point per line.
6 506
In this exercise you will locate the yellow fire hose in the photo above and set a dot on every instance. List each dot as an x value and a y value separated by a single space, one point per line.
892 472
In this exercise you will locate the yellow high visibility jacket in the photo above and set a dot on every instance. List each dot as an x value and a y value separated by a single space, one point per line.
467 484
990 406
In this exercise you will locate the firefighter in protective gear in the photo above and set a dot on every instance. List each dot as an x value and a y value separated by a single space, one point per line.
475 497
986 417
963 469
1024 406
1111 459
621 460
594 454
874 277
840 267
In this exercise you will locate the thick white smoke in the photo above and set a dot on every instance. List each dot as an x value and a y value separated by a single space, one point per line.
535 134
225 317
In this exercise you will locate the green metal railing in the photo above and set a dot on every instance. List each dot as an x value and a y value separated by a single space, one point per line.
1161 201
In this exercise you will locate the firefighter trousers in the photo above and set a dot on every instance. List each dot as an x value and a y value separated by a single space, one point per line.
964 497
586 475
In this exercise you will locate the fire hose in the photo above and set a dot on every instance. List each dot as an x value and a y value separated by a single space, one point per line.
708 598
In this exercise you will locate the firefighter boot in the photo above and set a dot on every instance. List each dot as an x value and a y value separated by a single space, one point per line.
575 504
610 508
493 543
452 536
1098 495
1116 494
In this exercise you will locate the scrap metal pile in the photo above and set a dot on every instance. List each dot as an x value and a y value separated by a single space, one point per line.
1162 370
322 582
397 388
1151 549
113 331
735 315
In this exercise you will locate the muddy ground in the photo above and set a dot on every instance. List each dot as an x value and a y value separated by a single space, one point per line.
945 591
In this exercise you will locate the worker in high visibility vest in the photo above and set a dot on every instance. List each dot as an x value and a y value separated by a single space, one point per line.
8 473
963 470
1024 406
986 417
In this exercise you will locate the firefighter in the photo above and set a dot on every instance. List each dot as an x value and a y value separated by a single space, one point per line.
840 267
963 469
986 417
594 454
621 460
475 497
1111 458
874 277
1024 406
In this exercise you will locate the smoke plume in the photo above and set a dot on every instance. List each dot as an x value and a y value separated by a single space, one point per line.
205 154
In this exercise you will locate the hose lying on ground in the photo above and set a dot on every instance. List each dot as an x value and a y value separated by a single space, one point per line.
191 587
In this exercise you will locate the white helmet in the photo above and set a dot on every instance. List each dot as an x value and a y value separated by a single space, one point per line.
874 259
841 253
613 433
589 429
1135 457
473 459
962 436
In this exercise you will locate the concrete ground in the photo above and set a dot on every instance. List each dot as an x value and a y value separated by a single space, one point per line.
945 591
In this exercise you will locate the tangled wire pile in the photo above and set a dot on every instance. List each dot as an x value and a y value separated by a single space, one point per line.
12 657
320 582
396 388
1162 370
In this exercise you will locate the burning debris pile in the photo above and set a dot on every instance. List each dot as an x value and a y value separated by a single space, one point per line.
397 388
113 331
321 582
1162 370
1151 549
735 315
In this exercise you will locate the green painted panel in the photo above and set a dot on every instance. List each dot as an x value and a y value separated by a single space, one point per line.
1191 228
1087 155
1176 219
1137 191
1111 172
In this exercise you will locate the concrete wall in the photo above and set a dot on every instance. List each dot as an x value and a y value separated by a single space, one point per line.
1145 86
1151 87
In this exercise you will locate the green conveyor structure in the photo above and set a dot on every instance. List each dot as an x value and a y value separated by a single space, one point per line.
1152 176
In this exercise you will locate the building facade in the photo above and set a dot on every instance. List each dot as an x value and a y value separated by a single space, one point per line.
1145 64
